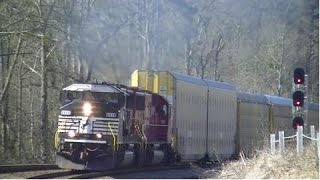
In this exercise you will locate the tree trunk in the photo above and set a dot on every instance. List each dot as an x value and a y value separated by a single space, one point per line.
2 144
19 114
219 48
67 55
31 100
147 64
80 55
45 149
280 76
43 102
3 97
188 54
6 101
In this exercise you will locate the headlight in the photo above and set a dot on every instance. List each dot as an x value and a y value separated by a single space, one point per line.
87 109
71 134
66 112
99 135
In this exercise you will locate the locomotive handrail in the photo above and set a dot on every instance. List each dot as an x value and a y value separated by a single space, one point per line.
113 136
137 128
144 135
56 140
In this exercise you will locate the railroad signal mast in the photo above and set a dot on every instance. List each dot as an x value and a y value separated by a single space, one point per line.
300 98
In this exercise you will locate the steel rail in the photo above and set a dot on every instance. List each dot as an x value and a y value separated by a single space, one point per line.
122 171
57 174
26 167
79 174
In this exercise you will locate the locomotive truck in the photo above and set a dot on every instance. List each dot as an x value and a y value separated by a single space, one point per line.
163 117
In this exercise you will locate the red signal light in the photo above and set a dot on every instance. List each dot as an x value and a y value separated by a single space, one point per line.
297 121
298 98
298 76
299 80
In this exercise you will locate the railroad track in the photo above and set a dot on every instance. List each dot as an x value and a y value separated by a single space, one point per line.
114 172
127 171
55 172
58 174
26 167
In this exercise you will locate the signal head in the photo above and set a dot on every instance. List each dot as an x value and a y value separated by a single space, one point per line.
298 76
298 98
297 121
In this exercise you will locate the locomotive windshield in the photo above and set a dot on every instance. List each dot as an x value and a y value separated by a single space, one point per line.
103 97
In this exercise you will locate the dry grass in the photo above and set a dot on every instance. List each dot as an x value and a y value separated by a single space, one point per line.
267 166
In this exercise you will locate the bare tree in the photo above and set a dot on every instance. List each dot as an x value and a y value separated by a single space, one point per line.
3 103
198 48
45 52
211 57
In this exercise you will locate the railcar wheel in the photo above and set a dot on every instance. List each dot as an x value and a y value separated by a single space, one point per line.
177 157
141 157
170 156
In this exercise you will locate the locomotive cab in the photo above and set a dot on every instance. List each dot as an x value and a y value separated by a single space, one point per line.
88 125
102 126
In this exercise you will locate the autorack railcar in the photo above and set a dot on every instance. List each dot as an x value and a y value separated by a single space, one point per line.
212 119
262 115
253 125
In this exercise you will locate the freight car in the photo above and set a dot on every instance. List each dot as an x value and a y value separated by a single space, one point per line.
165 116
262 115
213 120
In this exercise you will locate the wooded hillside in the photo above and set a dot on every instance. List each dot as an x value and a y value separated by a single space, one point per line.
49 44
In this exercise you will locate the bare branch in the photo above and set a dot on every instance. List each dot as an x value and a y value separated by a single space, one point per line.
14 32
8 25
50 52
32 69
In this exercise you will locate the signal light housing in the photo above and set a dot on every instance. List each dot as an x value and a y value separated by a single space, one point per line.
298 98
298 76
297 121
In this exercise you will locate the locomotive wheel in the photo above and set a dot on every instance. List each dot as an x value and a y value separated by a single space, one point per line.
119 156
